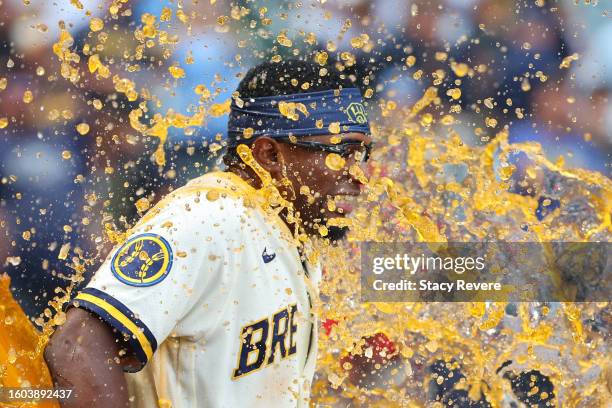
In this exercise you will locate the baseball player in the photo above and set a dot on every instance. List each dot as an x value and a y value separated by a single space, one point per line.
208 301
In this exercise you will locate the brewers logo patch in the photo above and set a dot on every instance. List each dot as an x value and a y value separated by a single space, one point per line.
356 113
143 260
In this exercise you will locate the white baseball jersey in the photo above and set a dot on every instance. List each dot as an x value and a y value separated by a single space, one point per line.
216 302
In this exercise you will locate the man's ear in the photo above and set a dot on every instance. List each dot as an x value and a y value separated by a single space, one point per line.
268 154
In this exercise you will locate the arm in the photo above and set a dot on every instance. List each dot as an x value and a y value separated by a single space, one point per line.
83 354
133 306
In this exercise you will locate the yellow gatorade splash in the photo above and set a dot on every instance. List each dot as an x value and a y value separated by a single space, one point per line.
21 359
416 208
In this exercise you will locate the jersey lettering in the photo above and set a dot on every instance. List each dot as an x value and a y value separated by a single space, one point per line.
259 340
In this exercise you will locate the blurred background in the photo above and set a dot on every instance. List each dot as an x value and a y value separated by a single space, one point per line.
71 162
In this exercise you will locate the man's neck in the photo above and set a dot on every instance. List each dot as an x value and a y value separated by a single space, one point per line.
255 182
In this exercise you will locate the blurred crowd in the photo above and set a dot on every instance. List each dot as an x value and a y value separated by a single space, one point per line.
60 185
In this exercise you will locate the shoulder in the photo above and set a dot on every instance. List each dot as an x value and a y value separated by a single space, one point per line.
204 208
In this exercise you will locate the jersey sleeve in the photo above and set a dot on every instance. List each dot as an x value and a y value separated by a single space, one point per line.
152 280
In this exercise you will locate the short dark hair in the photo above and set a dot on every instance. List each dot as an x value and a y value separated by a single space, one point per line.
275 78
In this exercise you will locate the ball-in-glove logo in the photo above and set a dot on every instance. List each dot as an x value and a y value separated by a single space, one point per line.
143 260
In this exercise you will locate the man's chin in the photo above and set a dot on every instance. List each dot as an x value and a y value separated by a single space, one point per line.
336 233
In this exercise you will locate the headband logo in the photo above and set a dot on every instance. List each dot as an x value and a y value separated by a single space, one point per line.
356 113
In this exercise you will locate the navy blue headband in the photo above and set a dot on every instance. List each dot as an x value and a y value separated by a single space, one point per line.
303 114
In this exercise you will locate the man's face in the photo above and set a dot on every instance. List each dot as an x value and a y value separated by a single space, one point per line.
319 187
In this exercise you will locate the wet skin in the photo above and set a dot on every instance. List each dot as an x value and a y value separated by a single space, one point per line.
304 166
